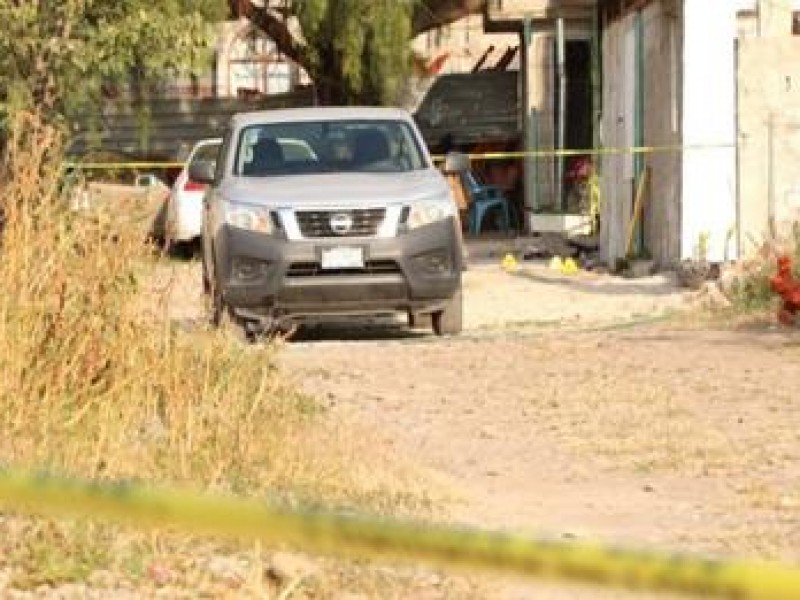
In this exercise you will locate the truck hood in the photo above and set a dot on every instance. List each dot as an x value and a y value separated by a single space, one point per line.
336 190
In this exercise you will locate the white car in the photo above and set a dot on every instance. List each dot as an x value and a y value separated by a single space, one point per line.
185 204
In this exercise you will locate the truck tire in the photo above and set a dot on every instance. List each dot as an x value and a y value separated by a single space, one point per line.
419 320
448 321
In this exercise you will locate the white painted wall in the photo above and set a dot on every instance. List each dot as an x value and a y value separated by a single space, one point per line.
709 118
709 106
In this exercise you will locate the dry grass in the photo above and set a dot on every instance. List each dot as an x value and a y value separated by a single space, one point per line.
93 387
751 291
92 390
646 428
667 400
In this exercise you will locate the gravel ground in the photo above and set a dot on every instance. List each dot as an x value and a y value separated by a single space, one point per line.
534 294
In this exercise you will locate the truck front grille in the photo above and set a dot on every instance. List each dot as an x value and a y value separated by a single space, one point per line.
372 267
361 222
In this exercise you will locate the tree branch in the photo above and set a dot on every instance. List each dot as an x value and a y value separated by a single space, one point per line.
276 28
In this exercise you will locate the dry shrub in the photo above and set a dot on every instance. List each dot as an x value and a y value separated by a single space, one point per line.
749 288
91 389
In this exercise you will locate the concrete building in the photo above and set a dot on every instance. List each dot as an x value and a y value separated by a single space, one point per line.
719 79
768 97
709 88
245 63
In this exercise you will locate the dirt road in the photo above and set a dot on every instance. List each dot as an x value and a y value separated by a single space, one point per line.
566 411
662 436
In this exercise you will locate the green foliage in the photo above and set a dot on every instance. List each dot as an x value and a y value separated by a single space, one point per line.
752 291
357 50
54 56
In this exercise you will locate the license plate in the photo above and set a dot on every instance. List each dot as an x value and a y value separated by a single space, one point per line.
343 258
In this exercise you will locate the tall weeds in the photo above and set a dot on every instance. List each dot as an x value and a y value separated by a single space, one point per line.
751 289
89 387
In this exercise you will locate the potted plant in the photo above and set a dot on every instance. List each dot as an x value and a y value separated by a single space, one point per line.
694 272
640 264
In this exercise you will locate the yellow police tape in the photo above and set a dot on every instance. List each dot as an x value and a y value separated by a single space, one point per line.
439 157
124 165
591 151
367 538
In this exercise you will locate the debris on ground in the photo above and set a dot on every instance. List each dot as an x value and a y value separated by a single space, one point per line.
285 567
544 246
692 274
710 296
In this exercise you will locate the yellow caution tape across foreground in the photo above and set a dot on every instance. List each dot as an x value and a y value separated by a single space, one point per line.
370 538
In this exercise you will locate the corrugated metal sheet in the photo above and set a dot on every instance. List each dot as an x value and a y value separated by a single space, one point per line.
473 108
163 129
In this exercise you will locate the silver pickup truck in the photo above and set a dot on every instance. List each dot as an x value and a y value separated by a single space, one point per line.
328 212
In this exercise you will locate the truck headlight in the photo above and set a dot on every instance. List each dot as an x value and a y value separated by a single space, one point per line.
249 217
430 211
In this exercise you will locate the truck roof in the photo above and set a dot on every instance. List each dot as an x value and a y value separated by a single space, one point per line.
321 113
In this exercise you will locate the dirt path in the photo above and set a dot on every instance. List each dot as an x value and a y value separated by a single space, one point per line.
633 436
653 436
561 412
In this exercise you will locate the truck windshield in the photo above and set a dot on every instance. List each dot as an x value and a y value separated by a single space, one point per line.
327 147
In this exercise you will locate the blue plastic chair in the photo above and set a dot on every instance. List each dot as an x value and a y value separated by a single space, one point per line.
484 198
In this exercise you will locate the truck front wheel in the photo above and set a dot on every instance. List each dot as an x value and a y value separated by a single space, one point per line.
448 321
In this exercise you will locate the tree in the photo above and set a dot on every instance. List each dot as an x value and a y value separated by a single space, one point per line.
56 55
355 51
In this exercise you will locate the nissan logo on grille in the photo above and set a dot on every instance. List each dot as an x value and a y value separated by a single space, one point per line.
341 223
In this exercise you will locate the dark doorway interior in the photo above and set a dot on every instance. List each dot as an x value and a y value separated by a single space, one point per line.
578 126
578 55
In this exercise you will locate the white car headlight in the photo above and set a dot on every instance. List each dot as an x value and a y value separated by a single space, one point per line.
430 211
250 217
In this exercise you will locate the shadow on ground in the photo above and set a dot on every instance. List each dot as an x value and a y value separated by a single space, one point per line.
359 331
609 286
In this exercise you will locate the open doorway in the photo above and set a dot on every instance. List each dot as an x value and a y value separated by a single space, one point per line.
577 121
579 134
